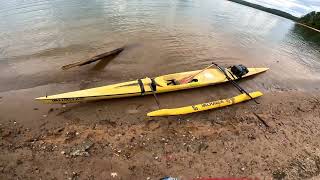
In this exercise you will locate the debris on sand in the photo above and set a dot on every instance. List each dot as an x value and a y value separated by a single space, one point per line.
114 174
278 175
168 178
304 166
79 150
132 111
202 147
70 135
262 119
50 110
58 131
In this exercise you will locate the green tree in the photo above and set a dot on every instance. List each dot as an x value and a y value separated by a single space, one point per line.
311 19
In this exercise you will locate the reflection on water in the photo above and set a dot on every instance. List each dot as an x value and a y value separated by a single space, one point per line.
39 36
308 35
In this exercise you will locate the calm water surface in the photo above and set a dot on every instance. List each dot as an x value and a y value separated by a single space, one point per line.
39 36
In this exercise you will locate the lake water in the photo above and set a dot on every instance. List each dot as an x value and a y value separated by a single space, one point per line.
39 36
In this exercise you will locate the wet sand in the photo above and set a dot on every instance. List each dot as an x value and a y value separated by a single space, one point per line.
279 138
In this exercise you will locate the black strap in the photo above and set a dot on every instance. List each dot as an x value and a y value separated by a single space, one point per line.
141 87
153 87
153 84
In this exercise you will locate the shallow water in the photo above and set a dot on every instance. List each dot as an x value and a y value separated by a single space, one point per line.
38 37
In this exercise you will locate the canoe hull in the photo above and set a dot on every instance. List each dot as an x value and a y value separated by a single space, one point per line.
136 88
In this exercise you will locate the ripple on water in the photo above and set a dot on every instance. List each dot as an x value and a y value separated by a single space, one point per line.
37 37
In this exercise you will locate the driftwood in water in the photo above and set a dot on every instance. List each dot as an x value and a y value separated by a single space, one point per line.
93 59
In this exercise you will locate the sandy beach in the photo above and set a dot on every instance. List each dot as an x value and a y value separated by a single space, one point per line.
278 138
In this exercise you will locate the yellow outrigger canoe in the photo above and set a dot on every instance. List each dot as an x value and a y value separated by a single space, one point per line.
205 106
146 86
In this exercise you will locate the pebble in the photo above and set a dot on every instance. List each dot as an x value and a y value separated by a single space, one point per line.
114 174
242 169
132 111
44 115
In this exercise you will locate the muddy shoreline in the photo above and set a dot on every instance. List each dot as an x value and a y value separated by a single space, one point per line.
279 139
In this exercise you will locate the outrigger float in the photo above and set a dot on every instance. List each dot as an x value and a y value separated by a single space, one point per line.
205 106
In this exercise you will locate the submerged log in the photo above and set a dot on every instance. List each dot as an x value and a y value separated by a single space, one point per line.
93 59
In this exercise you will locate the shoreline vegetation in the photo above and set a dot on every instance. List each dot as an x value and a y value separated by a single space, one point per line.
310 20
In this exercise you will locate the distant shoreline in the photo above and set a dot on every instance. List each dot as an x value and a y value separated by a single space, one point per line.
269 10
308 26
274 12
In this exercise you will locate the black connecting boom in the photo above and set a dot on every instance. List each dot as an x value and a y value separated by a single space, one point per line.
235 84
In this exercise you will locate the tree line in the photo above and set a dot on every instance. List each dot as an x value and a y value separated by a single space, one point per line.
269 10
311 19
